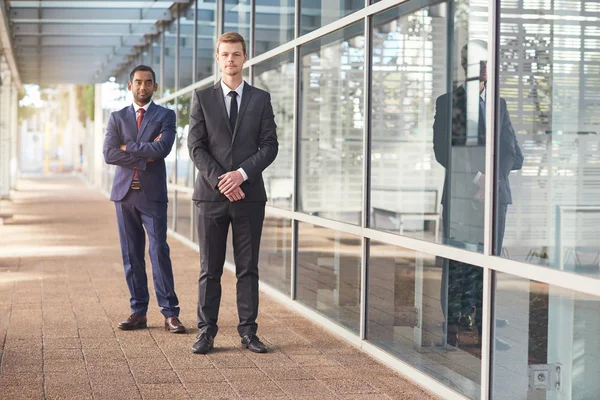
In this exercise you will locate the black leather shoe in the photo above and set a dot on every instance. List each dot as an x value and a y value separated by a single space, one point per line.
204 344
174 325
253 343
135 321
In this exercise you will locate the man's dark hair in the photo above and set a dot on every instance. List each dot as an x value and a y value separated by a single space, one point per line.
142 68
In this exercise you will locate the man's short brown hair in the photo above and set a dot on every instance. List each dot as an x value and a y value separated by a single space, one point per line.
231 37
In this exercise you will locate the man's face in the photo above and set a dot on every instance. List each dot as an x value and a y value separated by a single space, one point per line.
231 58
477 62
142 87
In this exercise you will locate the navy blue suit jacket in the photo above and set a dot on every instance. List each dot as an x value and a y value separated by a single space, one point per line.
122 129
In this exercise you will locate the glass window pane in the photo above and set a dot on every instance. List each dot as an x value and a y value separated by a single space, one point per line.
546 325
237 19
170 208
170 35
184 214
459 136
276 76
331 131
276 252
170 160
186 46
155 63
408 75
274 24
426 311
548 163
185 166
329 273
207 32
318 13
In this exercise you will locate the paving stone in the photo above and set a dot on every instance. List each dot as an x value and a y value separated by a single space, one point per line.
64 318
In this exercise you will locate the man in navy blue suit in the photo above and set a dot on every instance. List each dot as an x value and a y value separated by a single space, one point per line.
138 138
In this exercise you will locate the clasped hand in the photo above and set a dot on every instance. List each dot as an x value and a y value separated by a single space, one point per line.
229 185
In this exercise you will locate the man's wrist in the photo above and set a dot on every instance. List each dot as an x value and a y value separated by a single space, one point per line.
244 175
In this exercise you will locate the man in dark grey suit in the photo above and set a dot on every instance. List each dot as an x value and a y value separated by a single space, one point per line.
232 139
459 140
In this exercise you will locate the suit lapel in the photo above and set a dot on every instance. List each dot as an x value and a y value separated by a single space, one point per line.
247 94
148 116
220 101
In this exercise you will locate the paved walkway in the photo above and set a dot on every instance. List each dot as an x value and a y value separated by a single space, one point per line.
62 292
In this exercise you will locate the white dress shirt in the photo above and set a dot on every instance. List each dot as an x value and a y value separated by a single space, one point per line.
239 90
137 108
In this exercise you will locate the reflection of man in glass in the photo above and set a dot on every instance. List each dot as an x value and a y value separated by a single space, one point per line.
459 145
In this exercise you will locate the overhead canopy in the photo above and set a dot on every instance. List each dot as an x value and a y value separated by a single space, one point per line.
72 41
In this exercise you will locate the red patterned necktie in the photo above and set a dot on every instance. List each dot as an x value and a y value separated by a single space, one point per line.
136 182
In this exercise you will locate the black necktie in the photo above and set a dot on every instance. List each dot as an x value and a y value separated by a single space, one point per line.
233 109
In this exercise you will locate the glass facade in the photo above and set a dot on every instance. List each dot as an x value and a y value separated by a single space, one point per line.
274 24
457 238
331 137
329 273
276 76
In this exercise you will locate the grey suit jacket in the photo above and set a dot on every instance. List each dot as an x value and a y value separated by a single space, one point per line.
216 149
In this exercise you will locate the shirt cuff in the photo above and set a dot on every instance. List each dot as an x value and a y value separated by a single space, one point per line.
477 177
241 171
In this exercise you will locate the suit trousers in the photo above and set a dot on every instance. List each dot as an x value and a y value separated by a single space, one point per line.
462 284
246 220
134 213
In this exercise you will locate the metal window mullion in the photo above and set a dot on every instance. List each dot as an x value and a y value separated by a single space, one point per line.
297 18
295 169
161 88
365 207
487 349
177 41
195 44
220 26
252 28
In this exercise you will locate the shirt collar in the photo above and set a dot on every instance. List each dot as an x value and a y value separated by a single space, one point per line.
482 94
136 107
239 90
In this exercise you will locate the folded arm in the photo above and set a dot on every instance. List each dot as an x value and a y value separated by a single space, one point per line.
112 152
197 144
160 148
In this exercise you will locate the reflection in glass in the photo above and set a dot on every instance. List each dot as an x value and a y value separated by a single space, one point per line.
329 273
274 24
318 13
207 11
276 252
185 166
547 325
184 214
186 46
550 80
237 19
170 37
332 122
170 160
414 313
170 209
406 180
459 134
276 76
